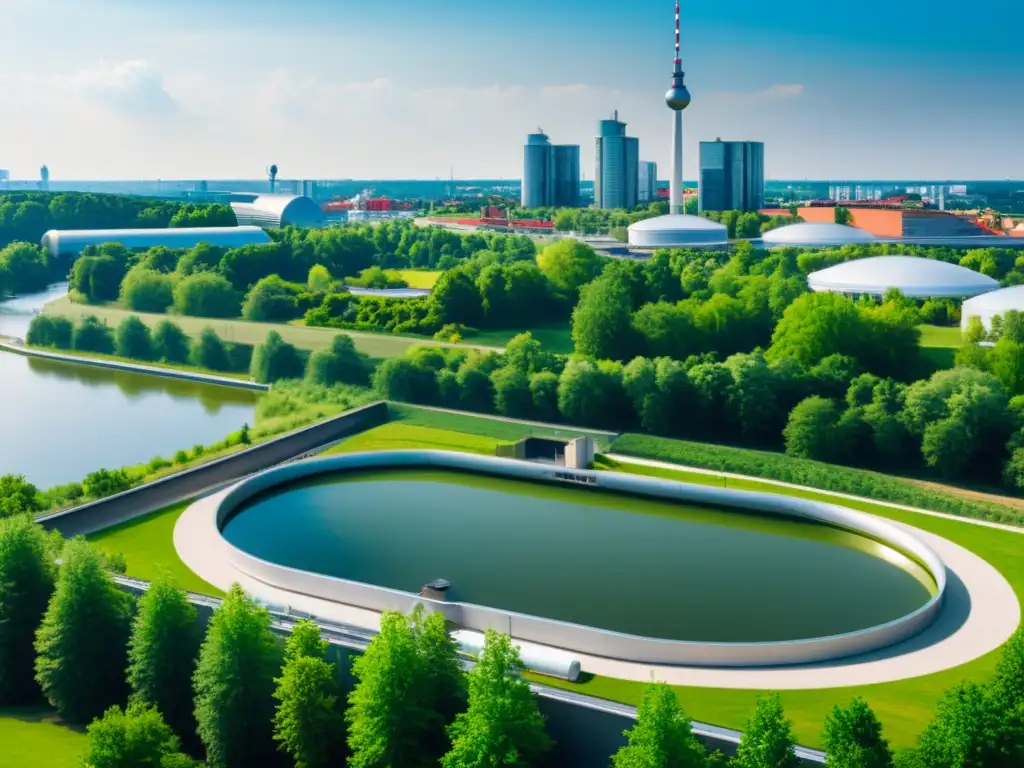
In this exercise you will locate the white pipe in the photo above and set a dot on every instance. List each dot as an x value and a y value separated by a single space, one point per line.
536 658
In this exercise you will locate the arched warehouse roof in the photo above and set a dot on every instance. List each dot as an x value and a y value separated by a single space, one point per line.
678 231
914 276
276 211
70 242
808 234
988 305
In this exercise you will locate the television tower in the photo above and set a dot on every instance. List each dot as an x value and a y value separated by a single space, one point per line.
678 99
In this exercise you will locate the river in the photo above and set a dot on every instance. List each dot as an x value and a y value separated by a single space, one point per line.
60 421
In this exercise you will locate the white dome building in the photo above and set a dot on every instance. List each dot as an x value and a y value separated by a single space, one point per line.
810 234
677 230
914 276
988 305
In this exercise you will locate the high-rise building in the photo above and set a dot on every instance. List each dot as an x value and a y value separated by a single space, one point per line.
731 175
551 173
4 174
647 191
617 166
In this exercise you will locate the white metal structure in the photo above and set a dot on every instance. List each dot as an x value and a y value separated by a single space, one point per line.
70 242
915 277
987 305
678 230
815 233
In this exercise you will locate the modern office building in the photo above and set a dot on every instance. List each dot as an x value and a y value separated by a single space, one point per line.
647 191
731 175
617 165
551 173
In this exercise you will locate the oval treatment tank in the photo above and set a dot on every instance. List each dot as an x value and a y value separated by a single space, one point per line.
636 565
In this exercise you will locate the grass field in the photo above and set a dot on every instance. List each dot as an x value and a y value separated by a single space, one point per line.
147 544
904 706
939 344
499 429
35 737
376 345
554 338
399 436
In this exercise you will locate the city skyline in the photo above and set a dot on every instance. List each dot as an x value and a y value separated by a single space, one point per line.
186 90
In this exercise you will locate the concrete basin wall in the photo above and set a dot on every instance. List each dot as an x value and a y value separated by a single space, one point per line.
584 639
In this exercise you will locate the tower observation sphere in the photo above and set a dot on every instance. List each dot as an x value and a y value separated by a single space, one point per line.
677 98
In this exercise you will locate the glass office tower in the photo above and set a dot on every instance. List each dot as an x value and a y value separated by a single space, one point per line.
731 175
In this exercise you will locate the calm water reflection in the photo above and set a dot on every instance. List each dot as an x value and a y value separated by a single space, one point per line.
60 421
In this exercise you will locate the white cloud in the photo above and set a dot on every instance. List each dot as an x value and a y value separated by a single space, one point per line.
773 93
133 88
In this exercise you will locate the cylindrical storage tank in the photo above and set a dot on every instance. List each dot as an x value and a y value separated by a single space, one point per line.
544 661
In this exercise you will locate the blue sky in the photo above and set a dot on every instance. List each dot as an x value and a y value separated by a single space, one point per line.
401 89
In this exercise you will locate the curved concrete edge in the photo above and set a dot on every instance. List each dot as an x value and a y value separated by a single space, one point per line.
993 614
149 370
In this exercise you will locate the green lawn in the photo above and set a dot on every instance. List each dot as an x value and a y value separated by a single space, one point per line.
904 706
147 544
939 344
471 424
399 436
376 345
34 737
555 338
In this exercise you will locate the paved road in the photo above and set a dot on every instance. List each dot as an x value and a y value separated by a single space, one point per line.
357 638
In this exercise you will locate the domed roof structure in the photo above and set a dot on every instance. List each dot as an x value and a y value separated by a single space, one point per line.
815 233
274 211
988 305
678 231
914 276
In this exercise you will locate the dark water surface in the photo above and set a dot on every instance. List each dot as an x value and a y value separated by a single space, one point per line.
640 566
60 421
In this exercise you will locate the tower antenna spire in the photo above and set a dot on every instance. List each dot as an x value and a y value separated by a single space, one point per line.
677 99
678 60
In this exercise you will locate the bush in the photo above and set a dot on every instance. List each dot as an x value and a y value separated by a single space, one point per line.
272 299
209 352
146 290
274 360
93 335
133 339
105 482
170 344
339 364
205 294
50 331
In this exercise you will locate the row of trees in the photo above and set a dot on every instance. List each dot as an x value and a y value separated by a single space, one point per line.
237 698
26 216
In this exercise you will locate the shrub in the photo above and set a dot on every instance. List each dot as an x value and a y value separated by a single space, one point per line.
50 331
272 299
339 364
93 335
132 339
209 352
206 294
105 482
146 290
275 359
170 344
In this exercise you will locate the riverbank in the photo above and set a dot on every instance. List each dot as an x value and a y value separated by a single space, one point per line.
121 364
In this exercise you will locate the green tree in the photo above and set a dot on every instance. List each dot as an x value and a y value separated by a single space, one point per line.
50 331
132 339
18 496
968 731
812 431
82 643
853 738
525 353
512 396
93 335
399 378
146 290
319 279
502 724
444 683
272 300
569 265
662 737
209 352
27 576
234 684
170 344
456 299
275 359
767 741
136 738
842 215
601 321
341 363
162 653
544 393
206 294
387 715
307 722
